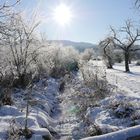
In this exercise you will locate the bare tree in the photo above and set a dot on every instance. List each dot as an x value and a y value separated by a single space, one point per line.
5 8
107 48
5 4
126 39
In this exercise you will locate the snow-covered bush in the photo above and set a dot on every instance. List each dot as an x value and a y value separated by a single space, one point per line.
25 56
21 49
95 77
13 132
94 130
113 113
93 88
87 54
88 92
58 60
122 109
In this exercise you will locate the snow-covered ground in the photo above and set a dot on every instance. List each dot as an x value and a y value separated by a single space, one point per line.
112 112
132 133
66 117
53 113
128 82
43 99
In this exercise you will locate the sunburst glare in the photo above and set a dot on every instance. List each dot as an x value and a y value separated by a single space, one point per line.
62 14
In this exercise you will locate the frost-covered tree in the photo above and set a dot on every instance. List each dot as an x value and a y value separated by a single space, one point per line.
5 7
107 49
6 10
126 39
18 38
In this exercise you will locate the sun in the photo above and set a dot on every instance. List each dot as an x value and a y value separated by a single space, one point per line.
62 14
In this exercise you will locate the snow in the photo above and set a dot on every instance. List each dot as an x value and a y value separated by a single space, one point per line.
9 111
108 115
127 82
65 114
37 133
119 135
42 102
118 111
54 114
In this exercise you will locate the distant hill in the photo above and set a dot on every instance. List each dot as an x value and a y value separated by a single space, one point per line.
81 46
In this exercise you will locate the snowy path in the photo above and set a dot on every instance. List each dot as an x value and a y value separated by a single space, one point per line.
128 82
66 120
65 125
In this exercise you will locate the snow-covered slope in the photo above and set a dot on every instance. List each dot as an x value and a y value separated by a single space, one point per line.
43 99
54 114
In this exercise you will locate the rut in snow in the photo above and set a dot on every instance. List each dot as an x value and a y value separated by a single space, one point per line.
65 117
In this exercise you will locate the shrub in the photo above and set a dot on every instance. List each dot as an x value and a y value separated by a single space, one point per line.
5 97
72 66
59 60
21 49
27 133
87 54
6 80
95 77
95 87
95 130
13 131
122 109
58 72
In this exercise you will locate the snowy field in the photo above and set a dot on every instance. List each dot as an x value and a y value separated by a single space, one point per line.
52 114
128 82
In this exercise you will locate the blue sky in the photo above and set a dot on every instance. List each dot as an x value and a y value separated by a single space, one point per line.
91 21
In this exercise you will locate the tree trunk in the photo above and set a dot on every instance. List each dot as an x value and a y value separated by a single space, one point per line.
126 55
130 59
110 63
